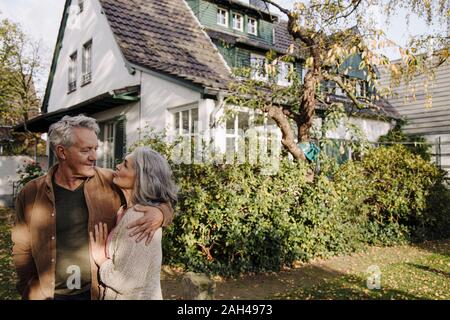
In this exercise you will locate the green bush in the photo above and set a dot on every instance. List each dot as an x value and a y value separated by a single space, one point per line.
417 144
398 183
29 171
232 219
399 193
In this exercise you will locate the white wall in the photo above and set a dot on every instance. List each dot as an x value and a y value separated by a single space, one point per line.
373 129
159 97
108 65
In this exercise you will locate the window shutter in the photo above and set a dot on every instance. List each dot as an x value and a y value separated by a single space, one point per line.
242 58
120 143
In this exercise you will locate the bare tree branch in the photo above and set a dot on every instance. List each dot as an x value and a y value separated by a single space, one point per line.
276 5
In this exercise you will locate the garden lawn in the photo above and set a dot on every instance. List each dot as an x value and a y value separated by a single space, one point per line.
426 276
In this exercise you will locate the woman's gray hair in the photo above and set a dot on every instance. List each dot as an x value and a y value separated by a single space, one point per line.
60 133
154 183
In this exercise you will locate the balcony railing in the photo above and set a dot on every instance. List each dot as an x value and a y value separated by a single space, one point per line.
86 78
72 86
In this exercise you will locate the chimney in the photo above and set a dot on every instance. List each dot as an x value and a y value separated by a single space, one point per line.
260 4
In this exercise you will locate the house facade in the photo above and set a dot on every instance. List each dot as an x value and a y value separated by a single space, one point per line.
425 104
166 65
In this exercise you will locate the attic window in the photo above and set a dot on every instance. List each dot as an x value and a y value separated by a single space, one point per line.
86 63
80 5
222 17
72 85
252 26
238 22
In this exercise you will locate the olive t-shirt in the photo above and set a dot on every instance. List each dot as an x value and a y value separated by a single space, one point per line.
73 273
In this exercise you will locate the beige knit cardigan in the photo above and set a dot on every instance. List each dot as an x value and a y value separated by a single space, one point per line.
134 270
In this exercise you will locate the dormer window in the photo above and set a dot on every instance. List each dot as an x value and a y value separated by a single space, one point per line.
252 26
238 22
222 17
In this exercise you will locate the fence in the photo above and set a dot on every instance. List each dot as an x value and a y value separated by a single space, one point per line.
439 153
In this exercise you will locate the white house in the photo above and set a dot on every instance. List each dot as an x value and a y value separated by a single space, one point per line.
163 64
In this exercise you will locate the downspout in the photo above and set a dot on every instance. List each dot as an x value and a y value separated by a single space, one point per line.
140 106
220 105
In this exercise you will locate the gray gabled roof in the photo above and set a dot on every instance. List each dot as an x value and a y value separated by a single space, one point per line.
283 40
164 36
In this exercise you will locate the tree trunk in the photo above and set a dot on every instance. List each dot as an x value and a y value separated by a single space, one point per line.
287 139
307 111
312 77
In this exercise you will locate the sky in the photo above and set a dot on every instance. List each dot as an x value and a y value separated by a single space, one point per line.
41 18
38 18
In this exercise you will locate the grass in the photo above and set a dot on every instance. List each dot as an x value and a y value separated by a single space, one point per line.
426 276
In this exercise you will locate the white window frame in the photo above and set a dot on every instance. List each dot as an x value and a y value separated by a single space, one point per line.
257 67
86 68
107 144
219 16
193 130
235 134
255 32
192 134
304 72
72 72
241 21
358 88
283 72
264 127
361 89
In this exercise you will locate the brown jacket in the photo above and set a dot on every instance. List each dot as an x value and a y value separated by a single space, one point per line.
34 231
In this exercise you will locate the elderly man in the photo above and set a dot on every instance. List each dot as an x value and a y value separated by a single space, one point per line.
56 212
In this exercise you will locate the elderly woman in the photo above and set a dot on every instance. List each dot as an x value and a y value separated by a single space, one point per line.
130 270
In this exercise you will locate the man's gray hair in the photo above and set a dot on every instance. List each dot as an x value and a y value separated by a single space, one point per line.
154 183
60 133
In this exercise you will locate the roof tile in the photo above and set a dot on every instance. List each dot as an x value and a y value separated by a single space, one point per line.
165 36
